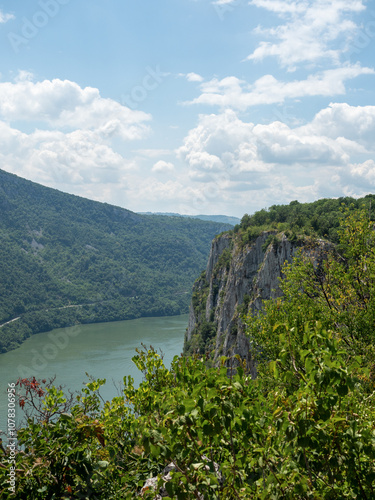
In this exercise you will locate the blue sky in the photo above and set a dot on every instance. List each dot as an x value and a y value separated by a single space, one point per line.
190 106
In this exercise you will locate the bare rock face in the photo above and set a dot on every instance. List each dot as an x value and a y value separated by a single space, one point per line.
266 284
152 483
217 248
238 279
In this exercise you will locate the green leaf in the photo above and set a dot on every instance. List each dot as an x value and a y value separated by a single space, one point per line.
342 389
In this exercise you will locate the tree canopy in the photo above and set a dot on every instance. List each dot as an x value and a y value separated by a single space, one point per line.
304 428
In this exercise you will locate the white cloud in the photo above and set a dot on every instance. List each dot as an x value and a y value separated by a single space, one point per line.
310 31
191 77
365 170
57 159
194 77
279 144
235 93
5 17
281 6
24 76
75 151
228 162
224 160
355 123
261 165
162 166
64 104
219 147
335 135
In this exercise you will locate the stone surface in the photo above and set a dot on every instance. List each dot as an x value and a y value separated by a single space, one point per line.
152 483
253 271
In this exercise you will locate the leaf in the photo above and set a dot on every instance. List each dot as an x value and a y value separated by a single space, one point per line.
274 369
278 412
155 450
335 420
310 365
208 429
197 466
342 390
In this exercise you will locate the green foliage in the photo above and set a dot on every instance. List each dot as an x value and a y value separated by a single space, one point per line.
66 260
320 218
271 240
203 338
312 436
304 429
338 289
243 308
224 260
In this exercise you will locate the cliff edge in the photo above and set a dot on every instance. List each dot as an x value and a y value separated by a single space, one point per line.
238 278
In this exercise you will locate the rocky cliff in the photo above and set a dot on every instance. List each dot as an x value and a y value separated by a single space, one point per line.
238 278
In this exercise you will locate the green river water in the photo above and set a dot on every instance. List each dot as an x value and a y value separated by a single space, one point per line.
103 350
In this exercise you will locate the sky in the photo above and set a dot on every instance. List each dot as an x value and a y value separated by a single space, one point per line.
190 106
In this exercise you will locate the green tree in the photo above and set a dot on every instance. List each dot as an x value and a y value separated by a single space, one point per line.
332 284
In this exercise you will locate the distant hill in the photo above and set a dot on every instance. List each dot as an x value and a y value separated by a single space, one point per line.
225 219
67 260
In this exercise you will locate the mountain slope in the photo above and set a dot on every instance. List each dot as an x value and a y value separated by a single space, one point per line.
224 219
66 259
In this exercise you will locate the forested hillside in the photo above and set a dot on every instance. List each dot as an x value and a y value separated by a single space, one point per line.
303 429
65 259
224 219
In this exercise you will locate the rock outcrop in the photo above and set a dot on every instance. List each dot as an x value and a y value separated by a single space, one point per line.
151 484
238 278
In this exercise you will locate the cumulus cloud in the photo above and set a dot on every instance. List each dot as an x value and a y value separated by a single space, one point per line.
194 77
162 167
223 158
69 143
58 159
330 138
220 150
354 123
310 31
365 170
268 164
64 104
235 93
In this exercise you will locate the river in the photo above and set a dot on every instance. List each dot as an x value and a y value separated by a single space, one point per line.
103 350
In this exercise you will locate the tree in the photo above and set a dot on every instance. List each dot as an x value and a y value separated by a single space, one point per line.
332 284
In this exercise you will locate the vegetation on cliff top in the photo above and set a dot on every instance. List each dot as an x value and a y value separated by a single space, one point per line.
304 429
320 219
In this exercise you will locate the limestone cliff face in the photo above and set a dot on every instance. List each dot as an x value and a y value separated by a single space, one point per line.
238 279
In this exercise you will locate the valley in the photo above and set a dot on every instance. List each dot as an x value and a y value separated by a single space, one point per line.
66 260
